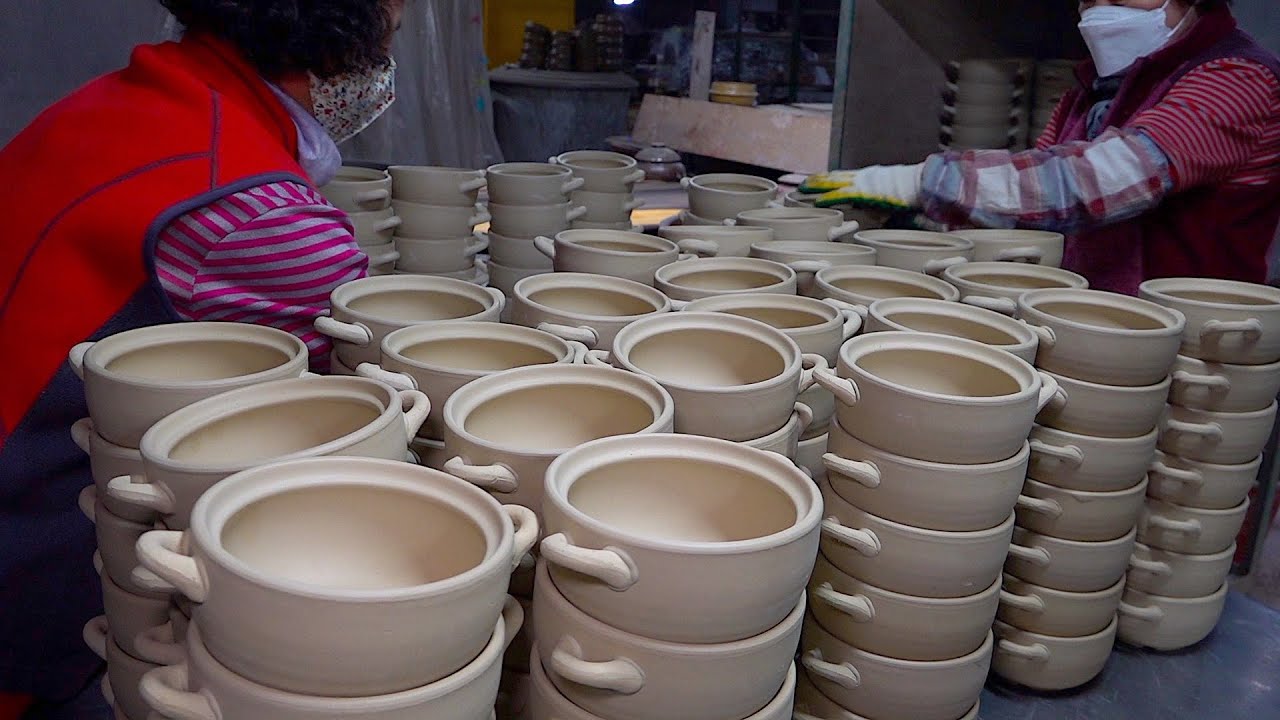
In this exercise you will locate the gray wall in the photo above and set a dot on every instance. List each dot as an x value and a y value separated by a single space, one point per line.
1262 18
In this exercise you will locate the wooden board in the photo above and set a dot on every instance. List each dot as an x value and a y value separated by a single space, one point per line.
702 55
772 136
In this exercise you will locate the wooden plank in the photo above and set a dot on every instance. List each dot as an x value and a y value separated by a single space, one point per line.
702 54
772 136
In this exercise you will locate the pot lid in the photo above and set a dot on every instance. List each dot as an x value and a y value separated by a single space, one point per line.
658 153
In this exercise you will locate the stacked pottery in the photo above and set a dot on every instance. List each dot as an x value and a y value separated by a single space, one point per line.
608 190
133 381
616 253
527 200
316 593
804 238
685 601
916 250
983 105
716 199
439 210
1091 450
1219 419
365 195
926 457
1036 247
1053 80
997 285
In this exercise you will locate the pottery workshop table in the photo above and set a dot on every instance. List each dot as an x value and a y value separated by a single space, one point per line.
1232 675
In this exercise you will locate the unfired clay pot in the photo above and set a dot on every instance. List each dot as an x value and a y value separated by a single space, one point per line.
601 171
1227 321
915 250
1216 437
818 327
1085 462
809 258
785 441
117 543
438 256
606 207
1035 247
1043 662
288 561
530 184
811 704
120 684
1104 410
504 278
717 240
1223 388
623 676
717 519
940 317
997 286
375 227
800 224
809 454
1043 610
437 221
1079 514
358 189
1070 565
1166 623
517 254
1194 531
688 281
590 309
864 284
131 615
106 461
530 221
902 626
723 195
628 255
1161 572
1204 485
437 185
134 378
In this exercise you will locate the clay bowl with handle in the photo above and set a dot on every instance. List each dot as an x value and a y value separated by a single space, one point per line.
437 185
1085 462
940 317
1035 247
1167 623
997 286
1216 437
530 184
1183 529
1191 483
1059 613
1079 514
1049 663
916 250
1227 321
1170 574
865 284
804 224
590 309
1070 565
1221 387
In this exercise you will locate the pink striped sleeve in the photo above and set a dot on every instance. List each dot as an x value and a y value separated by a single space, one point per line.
270 255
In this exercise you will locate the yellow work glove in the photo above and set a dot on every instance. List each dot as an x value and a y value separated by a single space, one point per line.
879 187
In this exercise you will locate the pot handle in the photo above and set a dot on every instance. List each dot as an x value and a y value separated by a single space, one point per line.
619 675
935 267
473 185
1036 652
572 186
416 407
371 196
1031 255
635 177
1051 508
634 205
354 333
843 229
1047 337
478 244
1026 603
76 358
87 500
810 363
844 674
864 541
390 223
157 646
397 380
610 565
1189 477
858 607
160 551
597 358
864 473
845 390
499 299
137 490
1004 306
579 356
151 582
513 618
389 256
482 216
701 248
685 182
545 245
494 478
81 433
1251 329
583 334
1070 455
809 266
1035 555
1190 527
94 634
1210 432
525 524
1158 569
575 213
805 414
166 690
1153 614
1182 378
1050 391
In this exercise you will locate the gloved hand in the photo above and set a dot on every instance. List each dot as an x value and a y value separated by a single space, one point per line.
879 187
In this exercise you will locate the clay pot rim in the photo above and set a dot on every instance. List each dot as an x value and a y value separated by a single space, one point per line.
428 207
628 163
984 650
1051 640
1033 588
1070 437
790 215
545 207
721 230
670 274
103 446
1162 387
395 343
777 436
903 528
1174 321
1211 366
1183 602
1186 557
959 275
1156 504
345 294
1013 236
826 279
1094 495
978 597
1217 415
1023 536
526 287
659 244
831 316
1160 289
1250 466
1021 458
765 184
434 170
882 238
373 175
813 247
881 309
536 170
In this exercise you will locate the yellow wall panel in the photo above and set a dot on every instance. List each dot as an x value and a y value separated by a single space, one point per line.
504 24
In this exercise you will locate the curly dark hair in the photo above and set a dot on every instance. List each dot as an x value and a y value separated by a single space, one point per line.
325 37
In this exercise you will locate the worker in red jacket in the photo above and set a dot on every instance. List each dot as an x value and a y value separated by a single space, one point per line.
183 187
1164 162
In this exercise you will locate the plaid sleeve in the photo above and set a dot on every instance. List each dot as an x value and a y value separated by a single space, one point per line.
1067 188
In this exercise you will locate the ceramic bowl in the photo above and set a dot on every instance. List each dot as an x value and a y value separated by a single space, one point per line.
124 671
902 626
195 448
619 226
1104 410
935 496
504 279
117 541
1196 531
601 171
1190 483
1026 246
358 189
809 452
375 227
1046 611
723 195
1166 623
717 240
366 311
786 440
818 327
134 378
288 561
731 377
1227 321
808 258
802 224
203 688
605 207
504 430
714 518
1070 565
1178 575
437 221
382 258
628 255
530 221
439 256
696 279
591 309
863 285
529 184
1085 462
1221 387
1079 514
1047 663
459 187
910 560
997 286
917 251
1216 437
129 615
686 218
616 674
517 253
880 686
811 704
906 393
1103 337
940 317
106 461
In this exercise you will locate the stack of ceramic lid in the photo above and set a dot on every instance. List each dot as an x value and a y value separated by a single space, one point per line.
527 200
717 199
685 601
1053 80
439 208
365 195
983 105
734 93
537 43
1111 356
607 190
1218 422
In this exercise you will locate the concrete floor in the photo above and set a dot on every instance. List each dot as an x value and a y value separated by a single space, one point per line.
1263 584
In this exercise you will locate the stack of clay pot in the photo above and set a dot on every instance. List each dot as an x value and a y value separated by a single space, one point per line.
717 199
984 104
365 195
527 200
438 209
1219 419
1111 356
608 188
926 457
672 581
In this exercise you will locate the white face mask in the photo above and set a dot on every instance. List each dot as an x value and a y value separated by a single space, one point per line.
1118 36
346 104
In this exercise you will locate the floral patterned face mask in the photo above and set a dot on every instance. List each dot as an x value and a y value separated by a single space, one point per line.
346 104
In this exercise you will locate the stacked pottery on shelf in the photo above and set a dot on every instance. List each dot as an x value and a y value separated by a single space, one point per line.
608 188
527 200
439 209
983 105
1219 419
365 195
1090 452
